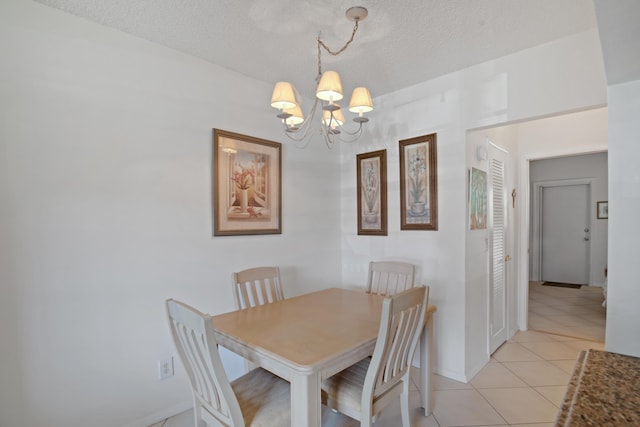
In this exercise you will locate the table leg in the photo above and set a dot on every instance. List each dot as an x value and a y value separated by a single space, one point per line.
305 401
426 366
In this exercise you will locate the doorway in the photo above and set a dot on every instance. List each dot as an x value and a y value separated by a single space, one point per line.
568 245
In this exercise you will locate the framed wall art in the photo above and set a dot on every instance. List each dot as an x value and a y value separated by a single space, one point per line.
247 185
372 193
603 210
477 199
419 183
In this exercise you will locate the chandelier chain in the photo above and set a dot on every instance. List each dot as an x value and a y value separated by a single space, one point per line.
336 53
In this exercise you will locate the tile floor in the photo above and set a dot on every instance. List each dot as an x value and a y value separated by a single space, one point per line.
565 311
523 384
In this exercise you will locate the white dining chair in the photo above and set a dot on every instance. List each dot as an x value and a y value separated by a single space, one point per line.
390 277
257 286
362 390
258 398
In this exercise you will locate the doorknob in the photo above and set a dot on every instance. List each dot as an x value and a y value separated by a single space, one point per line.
507 258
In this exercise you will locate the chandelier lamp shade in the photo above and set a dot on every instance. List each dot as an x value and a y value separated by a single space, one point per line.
286 100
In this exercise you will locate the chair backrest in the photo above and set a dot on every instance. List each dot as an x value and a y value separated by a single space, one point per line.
402 320
257 286
390 277
195 341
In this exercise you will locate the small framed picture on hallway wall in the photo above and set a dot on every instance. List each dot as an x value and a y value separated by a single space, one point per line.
477 199
603 210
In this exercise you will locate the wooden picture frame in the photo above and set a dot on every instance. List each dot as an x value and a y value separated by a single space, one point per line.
372 193
247 185
603 210
419 183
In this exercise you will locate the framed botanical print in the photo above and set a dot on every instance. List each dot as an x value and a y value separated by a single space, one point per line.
419 183
247 185
372 193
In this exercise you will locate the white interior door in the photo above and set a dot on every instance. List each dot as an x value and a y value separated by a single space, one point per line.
565 234
498 248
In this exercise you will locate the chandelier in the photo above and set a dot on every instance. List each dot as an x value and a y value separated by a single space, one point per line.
286 99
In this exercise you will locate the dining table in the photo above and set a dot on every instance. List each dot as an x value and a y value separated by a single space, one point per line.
308 338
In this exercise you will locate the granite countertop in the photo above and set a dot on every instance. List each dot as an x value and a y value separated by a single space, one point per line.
604 391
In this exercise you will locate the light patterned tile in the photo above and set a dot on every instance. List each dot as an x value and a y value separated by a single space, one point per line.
553 393
444 383
546 310
568 320
538 373
512 352
531 336
566 365
495 375
390 415
520 405
464 408
586 345
581 312
564 338
552 350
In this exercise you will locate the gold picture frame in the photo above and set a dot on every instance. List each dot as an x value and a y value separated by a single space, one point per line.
419 183
247 185
372 193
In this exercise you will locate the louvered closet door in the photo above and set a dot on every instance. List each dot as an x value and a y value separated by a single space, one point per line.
498 238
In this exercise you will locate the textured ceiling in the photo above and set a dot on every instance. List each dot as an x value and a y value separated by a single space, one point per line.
400 43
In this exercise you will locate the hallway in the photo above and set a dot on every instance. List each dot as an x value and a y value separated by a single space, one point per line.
564 311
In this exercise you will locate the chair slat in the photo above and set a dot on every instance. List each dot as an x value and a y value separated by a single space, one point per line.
257 286
390 277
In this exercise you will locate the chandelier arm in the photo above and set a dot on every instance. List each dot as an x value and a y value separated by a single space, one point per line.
329 138
355 132
303 130
355 135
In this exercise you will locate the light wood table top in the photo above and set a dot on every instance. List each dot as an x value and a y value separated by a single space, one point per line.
309 329
308 338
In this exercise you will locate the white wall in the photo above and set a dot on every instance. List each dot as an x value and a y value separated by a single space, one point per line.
623 292
586 166
105 189
512 88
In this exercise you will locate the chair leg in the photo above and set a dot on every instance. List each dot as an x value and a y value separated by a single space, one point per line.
197 414
404 405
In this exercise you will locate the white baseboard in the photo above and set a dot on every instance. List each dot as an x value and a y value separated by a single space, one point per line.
161 415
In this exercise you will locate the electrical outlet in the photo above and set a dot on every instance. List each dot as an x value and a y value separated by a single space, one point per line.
165 368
